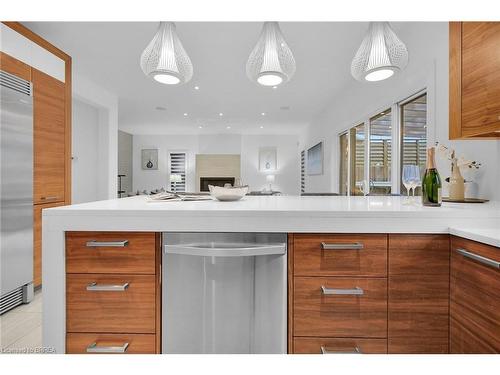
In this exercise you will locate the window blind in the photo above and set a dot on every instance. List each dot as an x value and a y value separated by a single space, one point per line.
178 166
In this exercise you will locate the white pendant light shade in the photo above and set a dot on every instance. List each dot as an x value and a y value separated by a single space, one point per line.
271 62
165 59
380 55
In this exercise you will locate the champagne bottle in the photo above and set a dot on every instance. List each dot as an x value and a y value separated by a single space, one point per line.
431 183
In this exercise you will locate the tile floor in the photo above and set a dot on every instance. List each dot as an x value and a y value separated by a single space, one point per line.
21 328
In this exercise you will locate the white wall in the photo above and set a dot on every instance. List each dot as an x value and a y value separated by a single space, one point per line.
85 132
428 68
107 151
152 179
287 176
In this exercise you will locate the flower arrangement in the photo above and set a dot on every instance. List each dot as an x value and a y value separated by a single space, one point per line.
449 154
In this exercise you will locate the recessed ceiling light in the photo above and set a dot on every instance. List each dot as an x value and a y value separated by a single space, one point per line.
228 127
275 87
159 108
263 113
261 127
185 114
221 114
196 87
200 127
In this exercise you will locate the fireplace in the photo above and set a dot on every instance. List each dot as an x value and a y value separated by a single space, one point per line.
216 181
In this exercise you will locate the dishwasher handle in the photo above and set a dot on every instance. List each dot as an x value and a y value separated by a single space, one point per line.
227 250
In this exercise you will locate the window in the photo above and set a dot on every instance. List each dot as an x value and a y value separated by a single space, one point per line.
414 133
303 171
357 159
366 150
178 166
344 163
380 153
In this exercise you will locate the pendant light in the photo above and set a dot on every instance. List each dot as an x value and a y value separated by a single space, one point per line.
380 55
165 59
271 62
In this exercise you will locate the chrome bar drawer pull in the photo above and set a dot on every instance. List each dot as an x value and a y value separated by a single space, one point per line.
93 348
347 292
486 261
341 246
325 350
107 243
94 287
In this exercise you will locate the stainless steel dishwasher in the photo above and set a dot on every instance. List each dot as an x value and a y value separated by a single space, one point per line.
224 293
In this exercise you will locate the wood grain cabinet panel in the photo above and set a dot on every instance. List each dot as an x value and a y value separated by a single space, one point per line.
49 139
137 256
340 315
475 299
418 300
132 310
367 257
13 66
37 240
480 76
474 79
78 343
314 345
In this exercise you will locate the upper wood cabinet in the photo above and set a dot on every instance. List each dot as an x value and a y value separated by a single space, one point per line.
13 66
474 79
49 138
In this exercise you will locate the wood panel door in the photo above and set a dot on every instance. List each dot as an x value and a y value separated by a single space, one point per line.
474 79
37 240
480 77
418 293
475 298
49 138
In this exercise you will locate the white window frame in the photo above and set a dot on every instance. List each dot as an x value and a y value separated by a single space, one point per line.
396 134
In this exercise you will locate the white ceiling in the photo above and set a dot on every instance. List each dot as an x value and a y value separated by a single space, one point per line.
108 53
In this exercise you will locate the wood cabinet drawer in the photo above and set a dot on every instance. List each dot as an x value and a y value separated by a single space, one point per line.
475 298
325 345
108 309
340 255
110 252
346 307
95 343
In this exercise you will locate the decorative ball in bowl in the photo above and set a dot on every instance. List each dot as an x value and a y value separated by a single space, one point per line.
228 194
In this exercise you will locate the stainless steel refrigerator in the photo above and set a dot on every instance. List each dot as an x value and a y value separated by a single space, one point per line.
16 191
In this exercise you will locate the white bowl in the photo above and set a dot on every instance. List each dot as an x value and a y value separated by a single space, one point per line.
228 194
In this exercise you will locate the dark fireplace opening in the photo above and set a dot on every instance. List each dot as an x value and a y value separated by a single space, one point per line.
215 181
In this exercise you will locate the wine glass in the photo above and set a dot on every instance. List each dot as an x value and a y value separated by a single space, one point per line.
416 180
407 179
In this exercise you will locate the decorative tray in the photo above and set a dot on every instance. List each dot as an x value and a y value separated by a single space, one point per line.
466 200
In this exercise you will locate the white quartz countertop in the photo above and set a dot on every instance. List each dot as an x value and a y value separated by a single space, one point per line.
384 214
488 235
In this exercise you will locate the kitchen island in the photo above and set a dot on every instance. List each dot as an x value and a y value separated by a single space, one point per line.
286 214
